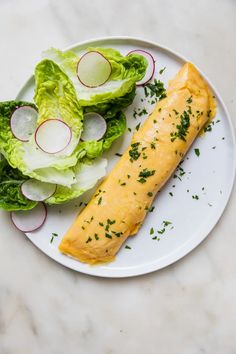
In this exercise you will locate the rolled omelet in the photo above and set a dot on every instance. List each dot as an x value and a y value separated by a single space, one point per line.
121 202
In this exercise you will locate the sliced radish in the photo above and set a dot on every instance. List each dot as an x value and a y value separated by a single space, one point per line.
23 122
94 127
29 220
36 190
150 68
93 69
53 135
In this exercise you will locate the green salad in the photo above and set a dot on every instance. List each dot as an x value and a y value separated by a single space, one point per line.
51 149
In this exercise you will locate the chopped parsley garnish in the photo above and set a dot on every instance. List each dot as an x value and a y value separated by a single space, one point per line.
195 196
171 194
153 145
209 113
176 112
128 247
150 194
161 231
208 127
141 180
118 234
137 126
189 100
96 237
155 89
166 223
182 128
108 235
151 231
150 210
99 200
54 234
162 70
133 152
140 112
118 154
145 173
197 152
89 239
123 184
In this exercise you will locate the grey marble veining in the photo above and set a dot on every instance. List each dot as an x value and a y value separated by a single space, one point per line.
187 308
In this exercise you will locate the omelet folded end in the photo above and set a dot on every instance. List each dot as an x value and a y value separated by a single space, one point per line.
83 254
189 78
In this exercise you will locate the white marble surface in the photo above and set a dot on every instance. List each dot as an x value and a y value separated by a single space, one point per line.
188 308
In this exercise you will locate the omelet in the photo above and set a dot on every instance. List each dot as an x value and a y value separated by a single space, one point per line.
121 202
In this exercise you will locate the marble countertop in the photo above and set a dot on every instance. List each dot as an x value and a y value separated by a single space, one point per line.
187 308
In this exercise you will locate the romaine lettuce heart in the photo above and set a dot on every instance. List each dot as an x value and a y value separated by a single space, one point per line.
126 71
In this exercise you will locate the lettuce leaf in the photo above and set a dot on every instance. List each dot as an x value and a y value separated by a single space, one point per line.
11 197
118 92
115 128
87 175
56 98
27 157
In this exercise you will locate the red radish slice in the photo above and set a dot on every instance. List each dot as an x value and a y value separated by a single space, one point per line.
93 69
36 190
150 68
30 220
94 127
53 135
23 122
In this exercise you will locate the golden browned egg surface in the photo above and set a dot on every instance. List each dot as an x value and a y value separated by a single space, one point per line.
121 202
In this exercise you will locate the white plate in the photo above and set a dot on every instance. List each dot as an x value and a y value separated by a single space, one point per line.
210 176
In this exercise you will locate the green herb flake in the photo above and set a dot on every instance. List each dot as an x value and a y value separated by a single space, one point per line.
108 235
176 112
54 234
195 196
145 173
128 247
151 231
141 180
182 128
133 152
142 112
155 89
153 145
150 210
197 152
150 194
162 70
189 100
137 126
99 200
118 154
89 239
166 223
161 231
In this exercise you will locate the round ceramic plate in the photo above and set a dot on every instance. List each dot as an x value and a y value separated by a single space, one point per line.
191 202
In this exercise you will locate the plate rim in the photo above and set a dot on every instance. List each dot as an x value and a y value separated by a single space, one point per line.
190 245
